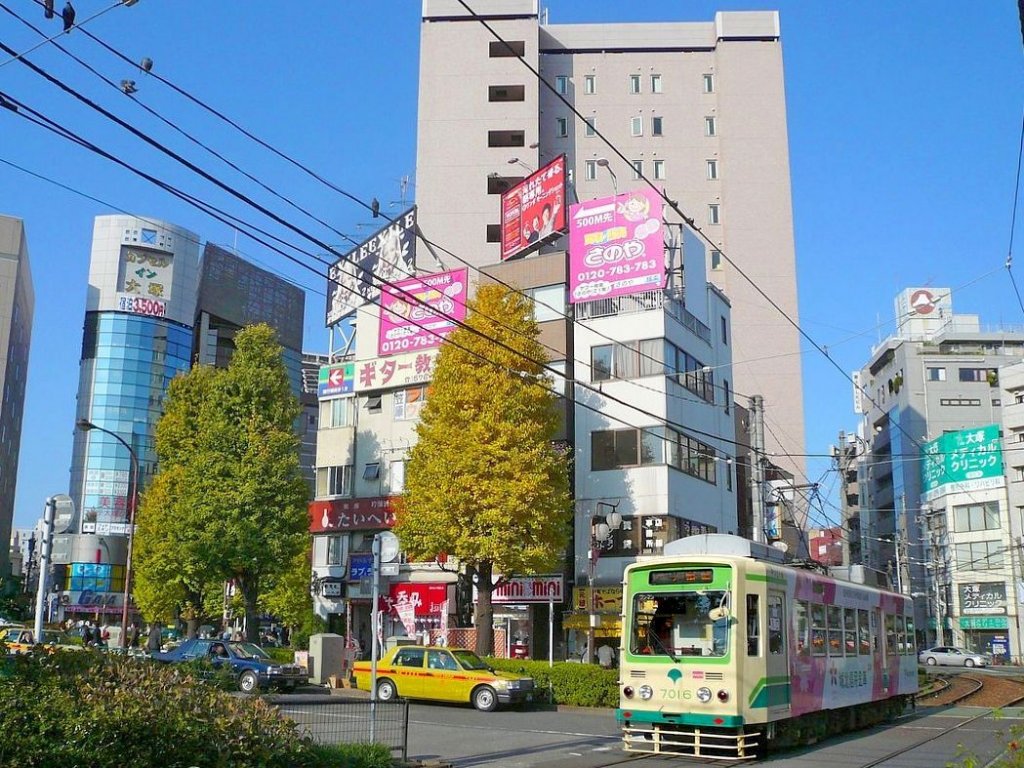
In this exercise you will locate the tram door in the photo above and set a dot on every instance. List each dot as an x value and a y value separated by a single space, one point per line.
778 656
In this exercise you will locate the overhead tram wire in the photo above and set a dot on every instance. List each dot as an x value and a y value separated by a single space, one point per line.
119 209
37 118
178 129
1013 218
329 184
15 56
675 207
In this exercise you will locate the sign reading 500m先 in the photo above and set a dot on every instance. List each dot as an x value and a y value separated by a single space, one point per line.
140 305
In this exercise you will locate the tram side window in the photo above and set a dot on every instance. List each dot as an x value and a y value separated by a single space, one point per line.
901 635
864 631
776 644
835 630
908 648
850 631
753 625
891 642
803 628
819 635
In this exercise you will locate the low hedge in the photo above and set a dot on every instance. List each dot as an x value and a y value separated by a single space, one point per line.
578 685
75 709
281 655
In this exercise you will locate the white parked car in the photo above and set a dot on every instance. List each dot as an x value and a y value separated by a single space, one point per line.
949 656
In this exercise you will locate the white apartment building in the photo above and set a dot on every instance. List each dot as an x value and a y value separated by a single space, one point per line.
698 107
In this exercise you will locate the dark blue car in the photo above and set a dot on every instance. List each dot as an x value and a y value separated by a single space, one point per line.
250 663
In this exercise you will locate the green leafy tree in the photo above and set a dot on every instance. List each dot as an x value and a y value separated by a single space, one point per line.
288 597
229 501
485 483
173 570
254 514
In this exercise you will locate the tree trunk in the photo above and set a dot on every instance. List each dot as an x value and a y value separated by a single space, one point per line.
484 615
192 627
250 595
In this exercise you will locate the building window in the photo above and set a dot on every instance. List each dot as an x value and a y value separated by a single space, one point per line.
561 127
716 259
601 362
373 403
952 401
498 185
980 556
655 83
638 169
727 395
502 49
636 126
372 471
725 331
494 233
977 374
562 84
506 93
339 412
619 448
548 302
396 476
714 214
409 402
659 169
334 550
589 84
506 139
1019 475
709 83
634 83
712 166
334 481
936 374
590 170
590 124
1018 398
976 517
710 126
656 126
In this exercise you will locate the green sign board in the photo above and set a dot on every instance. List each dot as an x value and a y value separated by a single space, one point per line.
964 461
983 622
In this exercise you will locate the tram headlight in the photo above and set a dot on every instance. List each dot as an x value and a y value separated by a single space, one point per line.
723 695
703 695
646 692
628 692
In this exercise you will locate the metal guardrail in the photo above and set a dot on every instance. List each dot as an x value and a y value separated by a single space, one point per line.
334 720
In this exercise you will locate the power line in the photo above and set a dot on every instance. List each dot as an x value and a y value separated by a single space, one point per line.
19 56
1013 214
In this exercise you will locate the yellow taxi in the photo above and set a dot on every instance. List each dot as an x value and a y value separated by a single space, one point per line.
443 674
22 639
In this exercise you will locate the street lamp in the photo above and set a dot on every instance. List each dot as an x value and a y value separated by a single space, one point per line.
600 532
603 162
133 495
517 161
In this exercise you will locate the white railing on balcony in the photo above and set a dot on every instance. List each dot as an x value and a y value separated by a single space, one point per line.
669 301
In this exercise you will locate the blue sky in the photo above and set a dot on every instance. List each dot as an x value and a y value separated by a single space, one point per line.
904 123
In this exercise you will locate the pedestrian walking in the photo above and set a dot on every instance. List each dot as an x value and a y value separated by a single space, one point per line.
153 642
132 636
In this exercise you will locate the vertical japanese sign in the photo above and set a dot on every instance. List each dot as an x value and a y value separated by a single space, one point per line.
533 211
963 461
419 313
388 255
616 246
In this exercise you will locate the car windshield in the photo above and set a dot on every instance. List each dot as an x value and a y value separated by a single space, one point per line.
249 651
680 624
470 660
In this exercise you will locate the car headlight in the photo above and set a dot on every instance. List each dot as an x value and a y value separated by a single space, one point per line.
646 692
703 695
502 685
273 670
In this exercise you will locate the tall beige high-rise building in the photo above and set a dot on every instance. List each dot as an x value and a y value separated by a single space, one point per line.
17 305
698 107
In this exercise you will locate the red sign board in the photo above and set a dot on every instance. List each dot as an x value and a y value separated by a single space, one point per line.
426 599
533 211
350 515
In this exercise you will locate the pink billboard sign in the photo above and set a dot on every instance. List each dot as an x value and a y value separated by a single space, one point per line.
420 312
616 246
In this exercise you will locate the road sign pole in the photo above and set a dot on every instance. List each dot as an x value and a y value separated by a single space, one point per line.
374 622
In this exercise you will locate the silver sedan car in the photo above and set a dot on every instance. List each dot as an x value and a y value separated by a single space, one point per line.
950 656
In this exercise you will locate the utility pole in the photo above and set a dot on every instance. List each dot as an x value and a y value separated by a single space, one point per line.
756 429
44 567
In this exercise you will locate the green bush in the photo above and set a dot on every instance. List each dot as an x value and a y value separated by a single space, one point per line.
578 685
281 655
76 709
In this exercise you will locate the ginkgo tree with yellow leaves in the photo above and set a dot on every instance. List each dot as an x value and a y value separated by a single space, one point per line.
485 483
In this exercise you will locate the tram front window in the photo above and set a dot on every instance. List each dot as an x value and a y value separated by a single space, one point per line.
681 624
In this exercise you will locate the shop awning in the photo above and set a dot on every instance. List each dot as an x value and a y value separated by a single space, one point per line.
609 624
